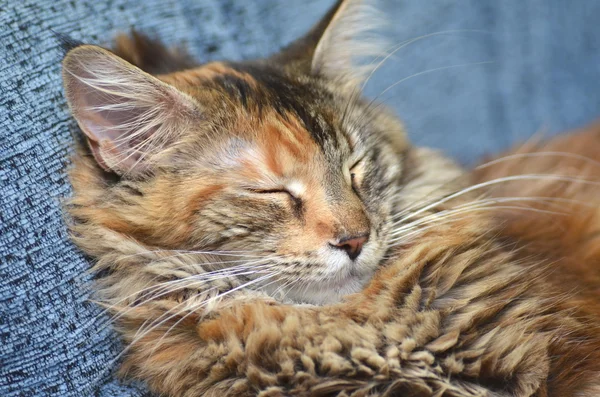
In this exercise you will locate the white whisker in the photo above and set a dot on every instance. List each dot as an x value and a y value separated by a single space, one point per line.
408 42
447 198
535 155
448 217
488 201
172 286
196 307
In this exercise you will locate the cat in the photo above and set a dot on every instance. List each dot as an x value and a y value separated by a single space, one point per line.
260 228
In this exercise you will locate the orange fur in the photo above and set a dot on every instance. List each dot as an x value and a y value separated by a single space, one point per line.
571 241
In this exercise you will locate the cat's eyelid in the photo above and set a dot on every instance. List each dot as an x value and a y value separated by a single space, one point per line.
295 189
266 191
281 190
356 162
352 170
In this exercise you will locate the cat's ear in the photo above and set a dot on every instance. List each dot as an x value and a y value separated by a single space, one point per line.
337 45
127 115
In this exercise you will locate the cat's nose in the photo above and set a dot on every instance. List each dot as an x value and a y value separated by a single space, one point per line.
352 245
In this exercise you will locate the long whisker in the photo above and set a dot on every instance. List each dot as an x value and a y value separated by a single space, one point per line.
541 199
199 282
560 178
406 43
506 158
170 287
485 203
233 254
478 203
537 154
374 104
196 307
535 199
383 58
432 70
402 237
190 267
155 325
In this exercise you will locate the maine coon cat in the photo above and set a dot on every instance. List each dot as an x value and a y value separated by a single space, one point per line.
259 228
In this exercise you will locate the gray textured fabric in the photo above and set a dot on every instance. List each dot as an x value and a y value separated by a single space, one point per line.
546 74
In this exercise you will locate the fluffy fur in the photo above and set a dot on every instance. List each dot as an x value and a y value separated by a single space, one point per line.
219 199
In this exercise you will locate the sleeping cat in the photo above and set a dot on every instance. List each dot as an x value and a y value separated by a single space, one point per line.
262 229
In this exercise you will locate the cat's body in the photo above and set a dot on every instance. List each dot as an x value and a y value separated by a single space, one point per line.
217 198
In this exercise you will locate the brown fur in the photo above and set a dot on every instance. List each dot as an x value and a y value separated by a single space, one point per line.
457 315
501 299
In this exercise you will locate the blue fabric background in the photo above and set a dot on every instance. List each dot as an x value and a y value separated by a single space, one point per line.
545 75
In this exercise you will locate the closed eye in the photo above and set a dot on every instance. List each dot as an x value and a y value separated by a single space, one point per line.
356 163
295 201
354 183
272 191
356 174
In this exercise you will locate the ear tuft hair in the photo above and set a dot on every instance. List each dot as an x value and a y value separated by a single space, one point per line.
127 115
341 45
350 42
66 42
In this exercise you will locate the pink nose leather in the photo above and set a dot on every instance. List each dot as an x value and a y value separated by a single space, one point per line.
352 245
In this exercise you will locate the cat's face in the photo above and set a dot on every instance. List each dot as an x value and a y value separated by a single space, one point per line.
271 162
296 171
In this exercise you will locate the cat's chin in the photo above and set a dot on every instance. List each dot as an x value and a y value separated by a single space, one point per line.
320 293
327 284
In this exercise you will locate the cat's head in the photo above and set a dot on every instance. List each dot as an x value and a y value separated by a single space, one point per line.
279 161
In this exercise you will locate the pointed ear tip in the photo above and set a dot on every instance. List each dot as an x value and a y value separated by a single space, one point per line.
66 42
83 49
85 52
80 58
